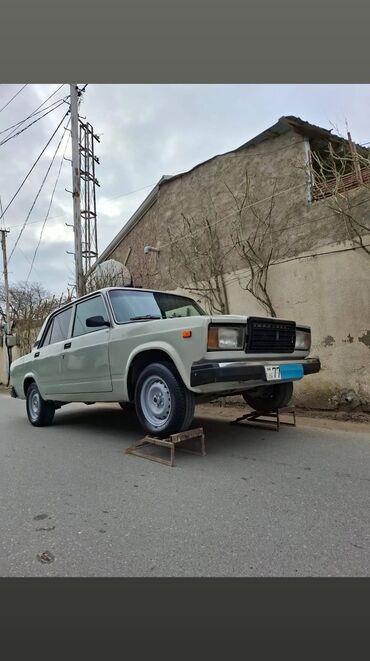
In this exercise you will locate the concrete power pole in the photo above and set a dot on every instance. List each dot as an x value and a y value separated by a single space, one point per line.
6 350
4 232
76 188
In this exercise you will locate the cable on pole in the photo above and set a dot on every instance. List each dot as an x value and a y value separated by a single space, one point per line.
34 112
62 99
51 200
14 135
13 97
37 196
33 166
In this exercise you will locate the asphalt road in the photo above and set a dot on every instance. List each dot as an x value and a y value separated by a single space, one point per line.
260 503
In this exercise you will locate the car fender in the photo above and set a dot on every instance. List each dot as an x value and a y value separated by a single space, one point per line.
159 346
31 375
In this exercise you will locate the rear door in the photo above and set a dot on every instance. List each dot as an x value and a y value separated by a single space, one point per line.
47 357
85 359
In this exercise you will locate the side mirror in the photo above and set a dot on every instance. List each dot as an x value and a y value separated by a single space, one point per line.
97 322
36 344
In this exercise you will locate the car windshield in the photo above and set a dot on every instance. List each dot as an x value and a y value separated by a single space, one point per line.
146 305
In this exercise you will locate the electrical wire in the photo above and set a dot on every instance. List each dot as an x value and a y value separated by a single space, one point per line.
37 195
13 97
2 219
247 206
34 165
297 258
14 135
35 112
51 201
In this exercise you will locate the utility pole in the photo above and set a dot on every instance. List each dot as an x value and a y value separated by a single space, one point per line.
4 232
7 352
76 188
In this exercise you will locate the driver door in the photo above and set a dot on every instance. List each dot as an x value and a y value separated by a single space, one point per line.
85 358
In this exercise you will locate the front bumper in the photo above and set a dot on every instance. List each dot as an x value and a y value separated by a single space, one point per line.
13 392
206 372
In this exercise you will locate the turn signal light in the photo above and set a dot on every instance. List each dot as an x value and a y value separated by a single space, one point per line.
186 333
213 337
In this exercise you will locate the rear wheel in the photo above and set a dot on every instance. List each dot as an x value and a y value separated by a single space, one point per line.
163 404
40 413
269 398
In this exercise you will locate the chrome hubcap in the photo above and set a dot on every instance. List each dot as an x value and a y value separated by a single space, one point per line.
155 401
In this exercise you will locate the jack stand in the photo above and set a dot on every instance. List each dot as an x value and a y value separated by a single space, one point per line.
171 443
256 419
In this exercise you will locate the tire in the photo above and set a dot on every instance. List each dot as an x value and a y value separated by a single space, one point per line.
126 406
269 398
40 413
163 404
190 414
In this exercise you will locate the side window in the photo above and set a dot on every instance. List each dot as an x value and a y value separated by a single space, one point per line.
60 326
48 334
93 307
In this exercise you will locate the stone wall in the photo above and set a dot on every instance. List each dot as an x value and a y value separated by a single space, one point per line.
329 292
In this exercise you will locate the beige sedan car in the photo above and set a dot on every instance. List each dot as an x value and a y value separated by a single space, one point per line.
160 352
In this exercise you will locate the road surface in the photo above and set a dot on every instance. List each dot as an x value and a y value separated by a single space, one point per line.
261 503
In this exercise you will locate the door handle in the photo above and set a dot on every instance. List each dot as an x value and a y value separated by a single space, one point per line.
36 355
68 345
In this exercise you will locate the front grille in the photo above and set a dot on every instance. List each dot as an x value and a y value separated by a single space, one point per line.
266 336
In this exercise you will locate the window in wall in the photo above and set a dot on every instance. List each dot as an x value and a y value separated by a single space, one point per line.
336 167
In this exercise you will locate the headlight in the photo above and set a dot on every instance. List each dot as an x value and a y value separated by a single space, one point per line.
225 337
303 340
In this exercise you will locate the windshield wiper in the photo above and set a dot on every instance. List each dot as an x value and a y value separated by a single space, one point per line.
144 317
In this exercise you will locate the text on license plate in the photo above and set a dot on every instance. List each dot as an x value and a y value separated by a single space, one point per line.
272 373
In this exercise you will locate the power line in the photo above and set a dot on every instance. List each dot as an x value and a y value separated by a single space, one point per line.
33 114
13 97
247 206
298 257
2 219
34 165
37 194
137 190
14 135
50 203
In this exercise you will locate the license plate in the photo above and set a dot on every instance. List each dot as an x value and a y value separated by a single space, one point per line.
272 373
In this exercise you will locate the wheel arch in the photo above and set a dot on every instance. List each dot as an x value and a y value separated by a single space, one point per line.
28 379
144 357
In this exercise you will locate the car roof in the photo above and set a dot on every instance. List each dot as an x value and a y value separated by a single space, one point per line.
105 290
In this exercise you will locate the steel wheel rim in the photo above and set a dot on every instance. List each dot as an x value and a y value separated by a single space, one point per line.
155 401
34 405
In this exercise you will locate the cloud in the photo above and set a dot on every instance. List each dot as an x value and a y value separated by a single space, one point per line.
145 131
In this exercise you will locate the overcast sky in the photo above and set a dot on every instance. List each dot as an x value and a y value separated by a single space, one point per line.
146 131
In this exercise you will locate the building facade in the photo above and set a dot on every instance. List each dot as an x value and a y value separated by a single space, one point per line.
311 254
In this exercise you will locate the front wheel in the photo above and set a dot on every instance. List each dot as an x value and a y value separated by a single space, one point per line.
40 413
126 406
269 398
163 404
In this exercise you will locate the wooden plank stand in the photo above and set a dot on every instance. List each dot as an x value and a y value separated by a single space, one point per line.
171 443
258 419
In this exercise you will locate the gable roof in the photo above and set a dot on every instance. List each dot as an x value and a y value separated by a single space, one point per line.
284 125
